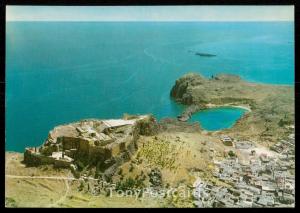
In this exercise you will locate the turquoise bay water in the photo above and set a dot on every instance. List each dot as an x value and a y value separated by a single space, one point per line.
218 118
59 72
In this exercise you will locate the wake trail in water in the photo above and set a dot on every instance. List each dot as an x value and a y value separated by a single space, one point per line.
93 65
157 59
162 60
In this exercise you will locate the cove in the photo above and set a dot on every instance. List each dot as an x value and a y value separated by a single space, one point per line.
219 118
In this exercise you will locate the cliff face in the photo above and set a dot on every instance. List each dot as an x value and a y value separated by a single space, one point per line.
182 91
193 88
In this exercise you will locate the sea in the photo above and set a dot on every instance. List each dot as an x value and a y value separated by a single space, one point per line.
61 72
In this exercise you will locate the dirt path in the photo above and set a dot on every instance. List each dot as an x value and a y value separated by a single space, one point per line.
63 197
40 177
46 177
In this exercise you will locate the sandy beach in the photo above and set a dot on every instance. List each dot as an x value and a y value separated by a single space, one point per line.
210 105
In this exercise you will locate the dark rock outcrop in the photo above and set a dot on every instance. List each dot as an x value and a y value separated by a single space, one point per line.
173 125
155 177
187 113
148 126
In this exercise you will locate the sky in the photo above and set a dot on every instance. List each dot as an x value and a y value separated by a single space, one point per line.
150 13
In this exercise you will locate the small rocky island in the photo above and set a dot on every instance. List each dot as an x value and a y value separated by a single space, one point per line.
203 54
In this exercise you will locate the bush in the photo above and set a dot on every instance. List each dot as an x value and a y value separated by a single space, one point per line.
120 172
131 168
227 143
231 154
79 165
81 186
126 185
283 122
10 202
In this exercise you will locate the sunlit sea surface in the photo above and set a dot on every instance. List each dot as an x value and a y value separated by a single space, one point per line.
59 72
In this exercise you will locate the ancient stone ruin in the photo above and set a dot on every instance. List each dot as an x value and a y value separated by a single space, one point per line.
101 143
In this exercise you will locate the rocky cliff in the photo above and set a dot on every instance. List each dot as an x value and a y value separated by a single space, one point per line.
193 88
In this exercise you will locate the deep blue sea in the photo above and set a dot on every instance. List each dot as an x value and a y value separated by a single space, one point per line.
59 72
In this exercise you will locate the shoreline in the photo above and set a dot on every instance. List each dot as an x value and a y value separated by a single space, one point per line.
188 113
210 105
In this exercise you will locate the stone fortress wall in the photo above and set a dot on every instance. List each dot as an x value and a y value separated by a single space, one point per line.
101 143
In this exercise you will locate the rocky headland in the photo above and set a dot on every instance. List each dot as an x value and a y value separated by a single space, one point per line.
271 106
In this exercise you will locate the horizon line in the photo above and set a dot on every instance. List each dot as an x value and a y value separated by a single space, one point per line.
149 21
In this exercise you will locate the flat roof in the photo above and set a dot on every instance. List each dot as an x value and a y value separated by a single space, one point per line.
118 122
